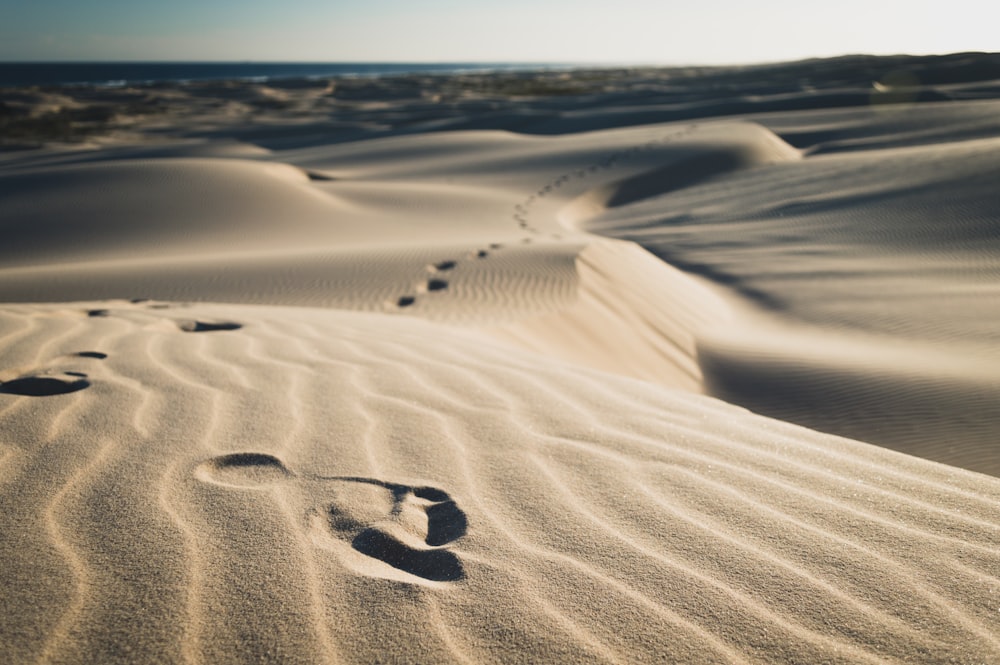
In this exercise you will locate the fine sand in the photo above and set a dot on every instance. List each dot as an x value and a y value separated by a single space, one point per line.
457 369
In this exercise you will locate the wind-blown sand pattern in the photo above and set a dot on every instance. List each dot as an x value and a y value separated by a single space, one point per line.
292 393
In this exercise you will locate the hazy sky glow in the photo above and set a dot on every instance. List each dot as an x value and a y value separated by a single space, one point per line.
599 31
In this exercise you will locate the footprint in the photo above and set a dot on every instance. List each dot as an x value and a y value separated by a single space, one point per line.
202 326
406 301
406 528
436 285
481 254
443 266
421 522
45 385
98 312
318 177
496 245
46 381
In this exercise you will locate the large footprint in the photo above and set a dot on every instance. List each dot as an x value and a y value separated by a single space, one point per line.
46 382
402 526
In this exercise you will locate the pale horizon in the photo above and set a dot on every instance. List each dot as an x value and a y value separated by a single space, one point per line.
637 32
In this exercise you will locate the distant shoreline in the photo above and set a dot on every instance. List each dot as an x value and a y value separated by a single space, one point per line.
111 74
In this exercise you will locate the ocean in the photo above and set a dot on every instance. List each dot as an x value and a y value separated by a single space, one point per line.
130 73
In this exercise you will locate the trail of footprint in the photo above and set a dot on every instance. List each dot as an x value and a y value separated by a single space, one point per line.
185 325
437 284
522 210
429 286
406 527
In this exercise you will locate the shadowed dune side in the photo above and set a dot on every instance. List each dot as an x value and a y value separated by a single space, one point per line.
179 149
863 288
332 486
846 130
711 151
632 315
917 399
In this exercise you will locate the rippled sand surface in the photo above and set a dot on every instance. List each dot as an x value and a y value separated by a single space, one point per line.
458 369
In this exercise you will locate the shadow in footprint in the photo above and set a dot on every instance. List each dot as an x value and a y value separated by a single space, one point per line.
202 326
436 285
434 565
45 386
98 312
92 354
445 266
243 469
445 522
405 301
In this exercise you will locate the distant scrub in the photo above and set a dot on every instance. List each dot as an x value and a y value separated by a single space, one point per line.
535 85
21 128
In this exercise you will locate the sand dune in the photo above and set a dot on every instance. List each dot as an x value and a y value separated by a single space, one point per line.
867 287
453 369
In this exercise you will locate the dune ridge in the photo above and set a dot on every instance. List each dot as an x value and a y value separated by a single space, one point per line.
864 282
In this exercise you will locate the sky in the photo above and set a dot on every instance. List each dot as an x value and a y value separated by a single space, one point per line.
570 31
